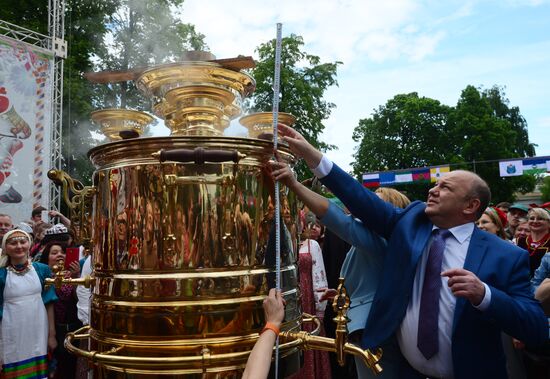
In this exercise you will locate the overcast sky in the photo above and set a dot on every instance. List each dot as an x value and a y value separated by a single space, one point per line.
435 48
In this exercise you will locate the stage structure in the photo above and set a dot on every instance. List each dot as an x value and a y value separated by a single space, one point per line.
182 233
31 95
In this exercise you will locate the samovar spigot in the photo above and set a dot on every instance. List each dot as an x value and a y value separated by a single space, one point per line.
340 305
338 345
59 277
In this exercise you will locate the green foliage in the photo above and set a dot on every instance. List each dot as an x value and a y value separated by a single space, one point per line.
304 80
545 189
84 30
142 33
409 131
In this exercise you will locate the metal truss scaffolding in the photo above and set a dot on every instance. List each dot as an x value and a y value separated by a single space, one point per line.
56 27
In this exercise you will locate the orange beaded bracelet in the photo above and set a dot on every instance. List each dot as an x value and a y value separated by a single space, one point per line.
270 326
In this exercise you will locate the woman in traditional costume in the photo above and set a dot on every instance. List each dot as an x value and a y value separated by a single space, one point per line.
26 310
538 242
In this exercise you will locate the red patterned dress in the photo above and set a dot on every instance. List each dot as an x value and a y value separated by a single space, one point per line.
312 276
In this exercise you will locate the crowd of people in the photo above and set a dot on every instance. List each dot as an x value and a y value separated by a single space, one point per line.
447 286
36 318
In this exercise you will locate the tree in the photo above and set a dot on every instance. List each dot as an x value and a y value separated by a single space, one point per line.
142 33
85 26
303 82
412 132
482 131
408 131
545 189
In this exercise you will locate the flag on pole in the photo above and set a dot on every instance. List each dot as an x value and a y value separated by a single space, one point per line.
371 180
534 166
403 177
420 175
511 168
438 172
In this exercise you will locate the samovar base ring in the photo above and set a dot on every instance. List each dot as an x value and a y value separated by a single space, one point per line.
202 362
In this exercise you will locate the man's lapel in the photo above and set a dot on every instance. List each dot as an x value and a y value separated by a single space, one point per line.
474 258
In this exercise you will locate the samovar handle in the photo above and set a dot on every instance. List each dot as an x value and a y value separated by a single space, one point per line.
198 155
59 278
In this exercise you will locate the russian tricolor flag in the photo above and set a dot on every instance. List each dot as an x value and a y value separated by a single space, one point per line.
371 180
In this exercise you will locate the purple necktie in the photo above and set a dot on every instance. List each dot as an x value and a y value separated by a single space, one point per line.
428 336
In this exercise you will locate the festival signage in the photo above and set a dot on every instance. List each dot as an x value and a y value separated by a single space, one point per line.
511 168
26 75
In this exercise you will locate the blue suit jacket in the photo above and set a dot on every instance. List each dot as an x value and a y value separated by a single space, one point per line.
476 341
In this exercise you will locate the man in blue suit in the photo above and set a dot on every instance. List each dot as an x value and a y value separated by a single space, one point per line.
448 325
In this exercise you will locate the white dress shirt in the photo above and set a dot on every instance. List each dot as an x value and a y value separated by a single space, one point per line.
454 255
83 294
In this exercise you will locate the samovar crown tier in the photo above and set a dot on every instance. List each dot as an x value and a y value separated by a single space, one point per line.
196 97
113 121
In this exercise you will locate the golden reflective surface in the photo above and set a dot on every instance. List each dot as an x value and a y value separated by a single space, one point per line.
183 254
112 121
195 98
261 124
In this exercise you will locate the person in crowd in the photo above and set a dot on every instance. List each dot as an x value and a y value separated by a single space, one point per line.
335 250
436 252
83 295
313 282
6 224
57 232
503 206
515 213
493 220
66 319
362 266
36 215
542 294
537 243
259 360
53 214
26 310
522 231
39 231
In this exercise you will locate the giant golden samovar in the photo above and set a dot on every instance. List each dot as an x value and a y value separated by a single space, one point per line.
182 236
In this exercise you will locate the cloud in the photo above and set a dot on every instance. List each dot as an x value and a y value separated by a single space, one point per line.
334 30
393 47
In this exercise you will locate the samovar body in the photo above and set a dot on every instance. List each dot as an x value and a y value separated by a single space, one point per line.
182 234
183 254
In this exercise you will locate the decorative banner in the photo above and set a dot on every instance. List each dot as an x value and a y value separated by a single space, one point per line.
511 168
387 178
421 175
534 166
371 180
403 177
26 74
438 172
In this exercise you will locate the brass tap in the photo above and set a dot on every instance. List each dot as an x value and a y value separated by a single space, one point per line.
59 277
338 345
340 305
